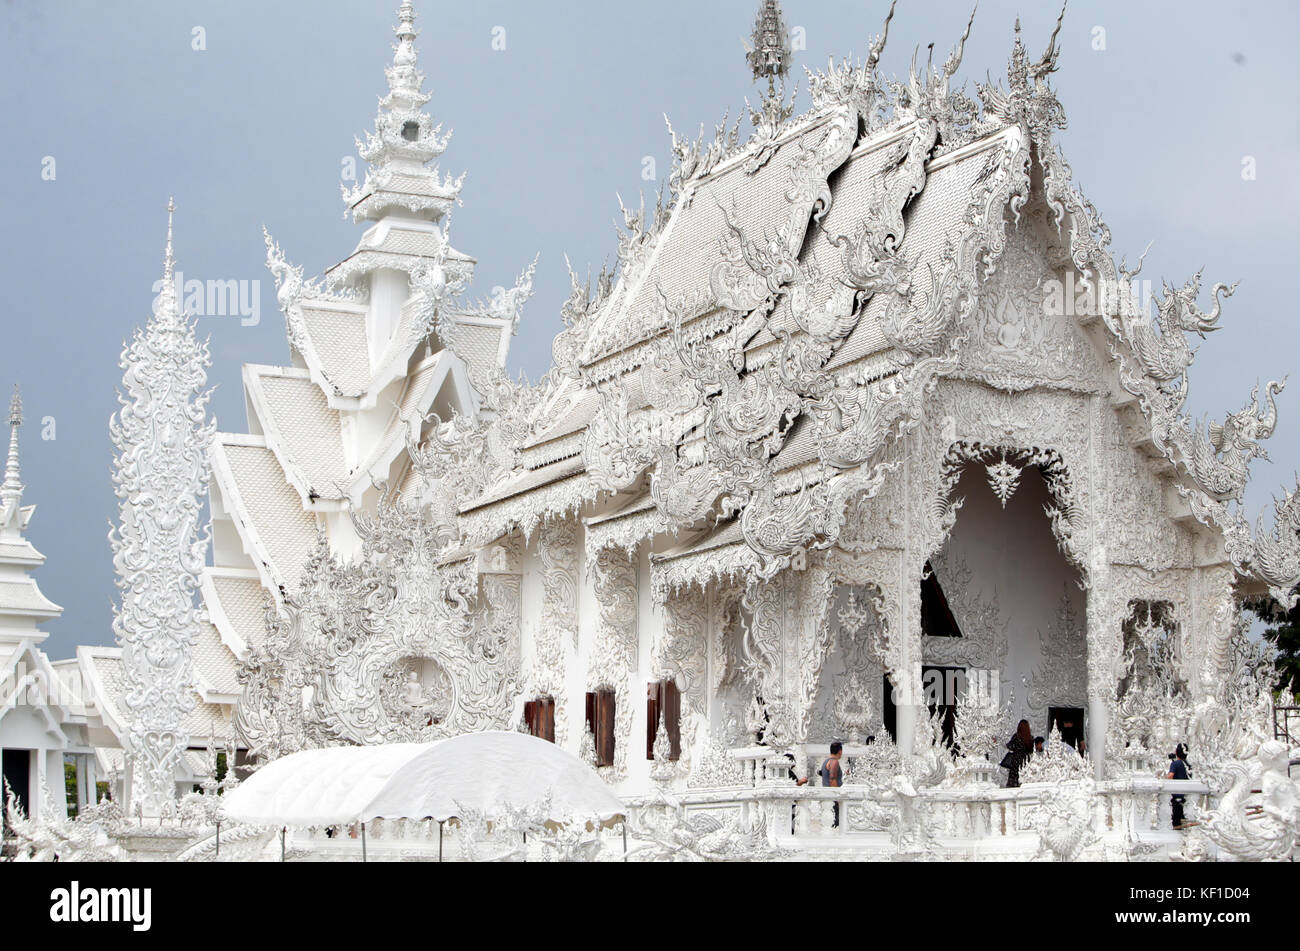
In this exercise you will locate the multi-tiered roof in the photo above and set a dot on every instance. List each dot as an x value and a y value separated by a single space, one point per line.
375 348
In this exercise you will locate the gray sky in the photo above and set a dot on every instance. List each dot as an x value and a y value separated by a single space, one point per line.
254 129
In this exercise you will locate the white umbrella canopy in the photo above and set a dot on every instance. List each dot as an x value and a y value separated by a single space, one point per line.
485 772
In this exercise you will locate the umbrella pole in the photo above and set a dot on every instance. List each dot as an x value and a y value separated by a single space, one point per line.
439 840
282 831
218 839
624 825
363 842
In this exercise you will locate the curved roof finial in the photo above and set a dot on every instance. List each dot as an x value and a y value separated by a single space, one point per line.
878 46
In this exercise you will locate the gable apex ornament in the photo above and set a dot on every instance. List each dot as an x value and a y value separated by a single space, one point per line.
768 51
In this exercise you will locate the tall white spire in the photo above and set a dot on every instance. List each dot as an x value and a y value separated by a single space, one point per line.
404 142
11 490
161 439
22 605
404 77
168 306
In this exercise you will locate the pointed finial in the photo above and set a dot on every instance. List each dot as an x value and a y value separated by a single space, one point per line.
11 489
769 48
878 46
168 262
165 305
403 76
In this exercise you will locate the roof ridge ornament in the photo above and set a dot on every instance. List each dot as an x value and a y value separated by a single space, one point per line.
768 51
859 86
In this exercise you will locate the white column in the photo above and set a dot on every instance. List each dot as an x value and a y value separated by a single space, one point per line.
39 780
905 728
92 778
1098 717
908 698
79 762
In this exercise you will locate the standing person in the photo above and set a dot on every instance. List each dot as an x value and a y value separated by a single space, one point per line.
1178 770
832 774
1020 747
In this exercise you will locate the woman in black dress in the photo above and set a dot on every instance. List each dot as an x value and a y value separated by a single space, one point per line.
1021 747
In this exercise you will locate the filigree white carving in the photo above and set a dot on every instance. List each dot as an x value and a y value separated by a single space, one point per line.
161 469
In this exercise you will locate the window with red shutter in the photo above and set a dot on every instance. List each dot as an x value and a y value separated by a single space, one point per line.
600 718
670 703
530 716
546 719
539 716
663 699
651 718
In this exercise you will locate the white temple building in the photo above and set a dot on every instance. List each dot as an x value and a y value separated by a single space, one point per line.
867 439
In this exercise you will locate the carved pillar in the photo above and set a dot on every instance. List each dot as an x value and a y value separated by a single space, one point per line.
764 653
809 613
503 594
1215 617
905 668
1103 648
761 648
681 653
557 548
613 658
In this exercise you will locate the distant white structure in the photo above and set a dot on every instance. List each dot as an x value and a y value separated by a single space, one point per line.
44 719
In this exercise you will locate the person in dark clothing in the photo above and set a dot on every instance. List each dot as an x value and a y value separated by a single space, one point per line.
1178 770
832 774
1038 745
1020 747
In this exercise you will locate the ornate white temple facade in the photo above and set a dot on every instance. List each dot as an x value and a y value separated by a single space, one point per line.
868 438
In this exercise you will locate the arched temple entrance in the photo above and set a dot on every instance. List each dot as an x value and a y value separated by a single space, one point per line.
1003 603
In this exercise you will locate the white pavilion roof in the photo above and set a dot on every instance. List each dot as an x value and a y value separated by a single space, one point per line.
482 772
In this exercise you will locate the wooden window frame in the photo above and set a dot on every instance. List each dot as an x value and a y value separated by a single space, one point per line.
601 709
664 697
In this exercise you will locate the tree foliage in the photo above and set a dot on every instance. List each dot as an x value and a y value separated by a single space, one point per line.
1284 632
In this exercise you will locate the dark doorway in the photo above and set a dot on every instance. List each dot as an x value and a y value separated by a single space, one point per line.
17 769
941 686
936 615
1070 722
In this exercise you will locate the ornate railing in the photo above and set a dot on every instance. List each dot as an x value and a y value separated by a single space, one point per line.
960 819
